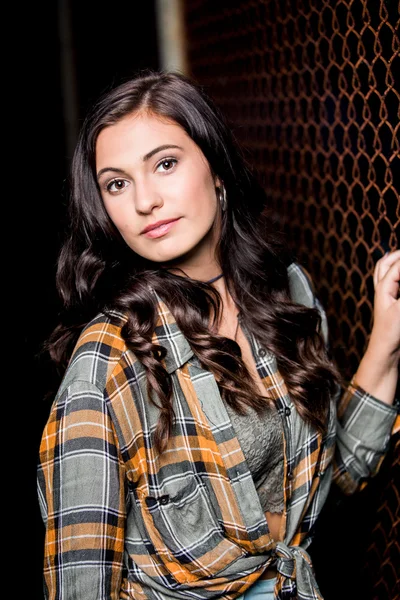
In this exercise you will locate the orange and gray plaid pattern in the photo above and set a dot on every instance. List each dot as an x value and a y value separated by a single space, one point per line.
123 522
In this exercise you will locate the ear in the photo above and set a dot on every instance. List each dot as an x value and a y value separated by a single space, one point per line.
217 182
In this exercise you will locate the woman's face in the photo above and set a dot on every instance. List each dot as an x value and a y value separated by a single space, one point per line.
149 171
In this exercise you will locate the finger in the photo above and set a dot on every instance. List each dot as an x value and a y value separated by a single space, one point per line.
377 271
383 265
375 274
389 283
391 257
387 264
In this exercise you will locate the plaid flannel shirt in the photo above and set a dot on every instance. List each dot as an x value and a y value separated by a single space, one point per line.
123 521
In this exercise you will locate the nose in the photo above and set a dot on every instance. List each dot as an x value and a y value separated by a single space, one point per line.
147 197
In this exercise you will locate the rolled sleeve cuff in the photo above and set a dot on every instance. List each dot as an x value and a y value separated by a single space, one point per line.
364 428
367 418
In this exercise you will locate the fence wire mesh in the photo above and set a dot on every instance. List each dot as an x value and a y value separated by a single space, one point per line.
310 89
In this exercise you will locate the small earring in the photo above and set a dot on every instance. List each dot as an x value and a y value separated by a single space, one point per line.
222 197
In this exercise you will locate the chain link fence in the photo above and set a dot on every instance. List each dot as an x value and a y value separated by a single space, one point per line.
311 92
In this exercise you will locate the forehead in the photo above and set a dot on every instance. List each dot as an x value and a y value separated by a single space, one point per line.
139 134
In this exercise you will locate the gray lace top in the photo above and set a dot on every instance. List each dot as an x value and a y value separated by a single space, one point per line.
261 440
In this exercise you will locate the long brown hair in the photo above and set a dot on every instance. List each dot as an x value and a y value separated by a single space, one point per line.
97 271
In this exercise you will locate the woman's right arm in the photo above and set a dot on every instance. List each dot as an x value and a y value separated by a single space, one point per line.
82 498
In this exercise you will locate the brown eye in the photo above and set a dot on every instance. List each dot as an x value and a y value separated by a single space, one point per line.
167 164
116 185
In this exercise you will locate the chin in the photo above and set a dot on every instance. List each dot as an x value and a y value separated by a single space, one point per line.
163 257
171 253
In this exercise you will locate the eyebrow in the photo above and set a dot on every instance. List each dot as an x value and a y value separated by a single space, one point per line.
145 158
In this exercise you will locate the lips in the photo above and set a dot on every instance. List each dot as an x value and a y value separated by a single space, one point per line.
157 224
160 228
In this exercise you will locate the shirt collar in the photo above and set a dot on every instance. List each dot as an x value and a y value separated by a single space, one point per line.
168 335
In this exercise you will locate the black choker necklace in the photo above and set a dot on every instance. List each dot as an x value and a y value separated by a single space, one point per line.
215 278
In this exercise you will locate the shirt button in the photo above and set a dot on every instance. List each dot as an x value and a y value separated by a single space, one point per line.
164 500
290 476
262 352
287 411
320 473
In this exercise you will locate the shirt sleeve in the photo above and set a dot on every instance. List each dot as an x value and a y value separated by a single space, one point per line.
364 424
81 498
364 428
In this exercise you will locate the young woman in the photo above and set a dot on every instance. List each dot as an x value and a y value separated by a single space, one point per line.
200 420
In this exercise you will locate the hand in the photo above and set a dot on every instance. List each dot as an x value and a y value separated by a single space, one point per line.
385 336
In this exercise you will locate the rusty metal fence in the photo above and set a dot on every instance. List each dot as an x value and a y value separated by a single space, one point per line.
312 90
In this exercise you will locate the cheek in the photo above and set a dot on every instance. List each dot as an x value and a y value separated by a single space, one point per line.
212 208
209 213
205 204
119 215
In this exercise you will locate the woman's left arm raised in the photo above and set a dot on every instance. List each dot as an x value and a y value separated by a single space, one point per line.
378 373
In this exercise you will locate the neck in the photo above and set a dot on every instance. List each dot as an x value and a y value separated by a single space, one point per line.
208 273
215 278
227 300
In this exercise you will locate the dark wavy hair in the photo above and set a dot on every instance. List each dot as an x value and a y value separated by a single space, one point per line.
97 271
